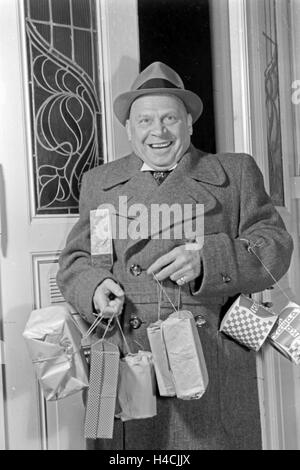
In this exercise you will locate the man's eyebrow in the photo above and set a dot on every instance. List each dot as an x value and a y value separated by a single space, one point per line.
144 114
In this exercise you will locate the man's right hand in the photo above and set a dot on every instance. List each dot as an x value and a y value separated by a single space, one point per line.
109 298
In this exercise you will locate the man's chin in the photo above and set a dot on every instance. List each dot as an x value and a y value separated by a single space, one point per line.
161 164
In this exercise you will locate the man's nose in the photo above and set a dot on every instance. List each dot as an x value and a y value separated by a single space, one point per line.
158 127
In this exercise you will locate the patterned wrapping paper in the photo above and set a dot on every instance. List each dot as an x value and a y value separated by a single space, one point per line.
101 403
137 387
286 336
160 359
185 355
248 322
101 237
54 344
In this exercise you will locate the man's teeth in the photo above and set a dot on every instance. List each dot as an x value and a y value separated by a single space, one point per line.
160 146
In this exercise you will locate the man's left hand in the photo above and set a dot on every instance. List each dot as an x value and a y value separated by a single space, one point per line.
180 264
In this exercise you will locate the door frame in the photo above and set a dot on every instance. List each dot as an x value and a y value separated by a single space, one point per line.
240 128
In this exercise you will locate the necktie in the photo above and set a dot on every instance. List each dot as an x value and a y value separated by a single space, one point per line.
160 176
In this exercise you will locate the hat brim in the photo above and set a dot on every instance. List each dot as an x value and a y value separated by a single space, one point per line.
123 102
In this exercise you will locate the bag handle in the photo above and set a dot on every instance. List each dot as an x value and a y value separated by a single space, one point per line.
250 249
161 289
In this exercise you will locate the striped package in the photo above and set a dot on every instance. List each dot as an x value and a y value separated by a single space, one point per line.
286 336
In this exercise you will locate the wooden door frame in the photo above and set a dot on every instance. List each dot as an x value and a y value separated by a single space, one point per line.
243 131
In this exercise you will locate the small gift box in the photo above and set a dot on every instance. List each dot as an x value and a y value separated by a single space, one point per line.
286 336
185 355
54 344
248 322
101 237
137 387
160 359
101 403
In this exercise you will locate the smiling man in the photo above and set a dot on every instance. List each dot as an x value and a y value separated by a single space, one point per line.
164 168
159 129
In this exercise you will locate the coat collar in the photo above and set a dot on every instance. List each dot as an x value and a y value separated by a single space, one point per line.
194 164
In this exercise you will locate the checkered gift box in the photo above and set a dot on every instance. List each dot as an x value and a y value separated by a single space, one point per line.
286 337
248 322
101 403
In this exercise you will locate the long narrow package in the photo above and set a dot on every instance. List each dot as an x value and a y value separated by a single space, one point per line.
102 393
185 355
163 372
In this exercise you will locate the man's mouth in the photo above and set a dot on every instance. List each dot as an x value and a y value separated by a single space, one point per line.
162 145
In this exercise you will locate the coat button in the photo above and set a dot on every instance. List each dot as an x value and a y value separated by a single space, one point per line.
226 278
135 269
200 321
135 322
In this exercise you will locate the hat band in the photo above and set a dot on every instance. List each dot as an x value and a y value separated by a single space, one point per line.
157 83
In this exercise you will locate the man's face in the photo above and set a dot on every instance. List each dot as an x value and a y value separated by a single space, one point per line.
159 129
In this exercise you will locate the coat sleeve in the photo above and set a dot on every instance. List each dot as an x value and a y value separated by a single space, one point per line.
229 267
77 278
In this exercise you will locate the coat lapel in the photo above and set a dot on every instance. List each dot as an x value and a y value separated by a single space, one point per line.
191 182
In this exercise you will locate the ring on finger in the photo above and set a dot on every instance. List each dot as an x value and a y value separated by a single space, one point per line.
181 281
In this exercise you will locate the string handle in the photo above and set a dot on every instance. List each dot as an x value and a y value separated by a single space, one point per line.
250 249
164 291
123 336
96 323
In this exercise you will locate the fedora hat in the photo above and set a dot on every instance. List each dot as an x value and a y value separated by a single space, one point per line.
157 78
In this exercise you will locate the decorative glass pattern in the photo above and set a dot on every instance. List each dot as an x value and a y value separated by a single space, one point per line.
273 105
62 56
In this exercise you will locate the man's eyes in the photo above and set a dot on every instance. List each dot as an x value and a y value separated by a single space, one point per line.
144 120
170 118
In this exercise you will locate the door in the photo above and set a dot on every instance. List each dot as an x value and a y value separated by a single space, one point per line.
55 95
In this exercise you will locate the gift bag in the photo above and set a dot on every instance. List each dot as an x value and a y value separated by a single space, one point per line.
248 322
54 344
185 355
286 336
136 390
102 393
163 372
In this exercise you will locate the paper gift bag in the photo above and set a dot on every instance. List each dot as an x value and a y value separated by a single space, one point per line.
286 336
136 390
160 360
248 322
185 355
54 344
101 403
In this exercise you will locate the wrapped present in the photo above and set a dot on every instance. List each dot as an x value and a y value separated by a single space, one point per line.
101 237
101 403
54 344
160 359
185 355
248 322
286 336
137 387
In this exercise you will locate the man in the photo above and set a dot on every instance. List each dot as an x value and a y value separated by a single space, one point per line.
158 114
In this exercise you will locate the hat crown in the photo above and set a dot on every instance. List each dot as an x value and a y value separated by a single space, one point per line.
157 71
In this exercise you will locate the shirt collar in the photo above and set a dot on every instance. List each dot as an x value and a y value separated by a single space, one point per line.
146 167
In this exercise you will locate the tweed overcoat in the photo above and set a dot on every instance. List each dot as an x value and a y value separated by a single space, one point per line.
236 207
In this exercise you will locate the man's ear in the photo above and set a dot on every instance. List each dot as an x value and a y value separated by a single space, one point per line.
128 130
190 123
